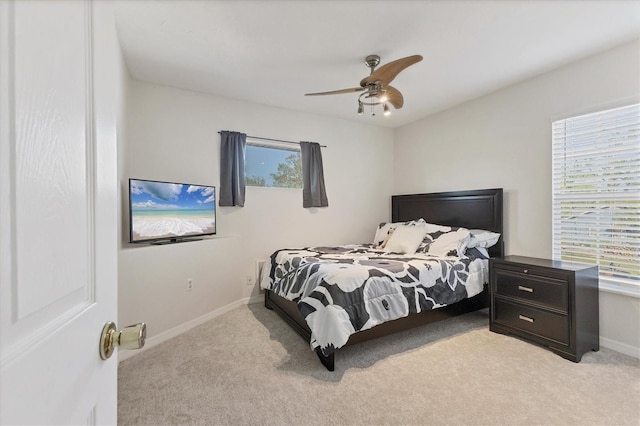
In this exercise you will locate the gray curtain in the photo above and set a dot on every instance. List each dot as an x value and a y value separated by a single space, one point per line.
314 193
232 182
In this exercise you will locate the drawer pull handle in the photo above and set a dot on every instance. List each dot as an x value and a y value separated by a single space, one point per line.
527 319
523 288
526 271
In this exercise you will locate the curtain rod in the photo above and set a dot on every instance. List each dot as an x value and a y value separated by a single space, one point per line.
275 140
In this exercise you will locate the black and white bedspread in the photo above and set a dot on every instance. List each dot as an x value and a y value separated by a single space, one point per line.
345 289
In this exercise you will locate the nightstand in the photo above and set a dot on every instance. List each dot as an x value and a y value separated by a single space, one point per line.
552 303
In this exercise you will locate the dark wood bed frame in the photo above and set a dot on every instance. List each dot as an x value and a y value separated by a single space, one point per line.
477 209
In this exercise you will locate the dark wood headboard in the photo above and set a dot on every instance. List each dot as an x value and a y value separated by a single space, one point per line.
477 209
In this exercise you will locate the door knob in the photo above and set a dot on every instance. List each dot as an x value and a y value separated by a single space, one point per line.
130 337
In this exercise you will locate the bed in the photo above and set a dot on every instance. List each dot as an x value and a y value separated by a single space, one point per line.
320 291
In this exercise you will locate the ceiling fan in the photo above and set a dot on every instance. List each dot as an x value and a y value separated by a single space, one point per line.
375 88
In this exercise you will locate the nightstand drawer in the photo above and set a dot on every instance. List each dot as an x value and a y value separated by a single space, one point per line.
531 288
535 321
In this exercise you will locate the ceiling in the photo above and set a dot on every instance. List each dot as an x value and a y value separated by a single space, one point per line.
273 52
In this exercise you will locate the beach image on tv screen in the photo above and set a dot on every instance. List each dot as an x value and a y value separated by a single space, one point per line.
169 210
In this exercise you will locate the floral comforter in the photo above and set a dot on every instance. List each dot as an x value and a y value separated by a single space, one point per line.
345 289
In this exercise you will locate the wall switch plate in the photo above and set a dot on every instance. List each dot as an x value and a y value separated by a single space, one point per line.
189 284
250 280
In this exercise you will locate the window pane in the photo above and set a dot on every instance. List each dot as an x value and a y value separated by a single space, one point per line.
272 166
596 191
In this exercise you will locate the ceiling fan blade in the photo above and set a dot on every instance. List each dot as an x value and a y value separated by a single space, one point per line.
386 73
337 92
394 97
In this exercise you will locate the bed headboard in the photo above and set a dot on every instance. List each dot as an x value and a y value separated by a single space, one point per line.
477 209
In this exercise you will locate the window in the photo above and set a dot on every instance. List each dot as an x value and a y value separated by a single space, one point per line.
596 193
273 164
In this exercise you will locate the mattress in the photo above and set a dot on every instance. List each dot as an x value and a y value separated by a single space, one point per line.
341 290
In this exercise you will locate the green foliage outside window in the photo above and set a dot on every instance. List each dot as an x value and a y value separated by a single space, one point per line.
289 174
268 166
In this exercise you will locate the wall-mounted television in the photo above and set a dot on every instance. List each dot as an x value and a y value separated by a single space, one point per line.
168 212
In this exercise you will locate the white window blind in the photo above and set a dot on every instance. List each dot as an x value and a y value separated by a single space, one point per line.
596 192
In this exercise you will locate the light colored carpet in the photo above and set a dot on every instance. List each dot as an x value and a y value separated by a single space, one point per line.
248 367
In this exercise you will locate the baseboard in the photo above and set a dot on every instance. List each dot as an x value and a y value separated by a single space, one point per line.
623 348
175 331
614 345
254 299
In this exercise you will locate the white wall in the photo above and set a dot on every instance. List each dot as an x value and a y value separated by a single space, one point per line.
503 140
172 135
500 140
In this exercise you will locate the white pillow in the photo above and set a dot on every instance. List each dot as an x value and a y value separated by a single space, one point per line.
382 232
482 238
431 228
428 238
386 240
433 232
452 243
385 228
405 239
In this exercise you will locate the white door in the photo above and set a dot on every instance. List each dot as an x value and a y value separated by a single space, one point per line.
58 211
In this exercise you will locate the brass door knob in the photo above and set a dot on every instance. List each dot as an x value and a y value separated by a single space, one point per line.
130 337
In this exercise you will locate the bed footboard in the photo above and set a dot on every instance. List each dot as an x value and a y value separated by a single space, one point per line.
289 312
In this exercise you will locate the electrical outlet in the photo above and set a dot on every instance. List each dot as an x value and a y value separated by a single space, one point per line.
250 280
189 284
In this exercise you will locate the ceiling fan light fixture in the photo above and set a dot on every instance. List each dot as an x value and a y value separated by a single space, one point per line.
375 89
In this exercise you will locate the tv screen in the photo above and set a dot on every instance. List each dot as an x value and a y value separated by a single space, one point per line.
170 212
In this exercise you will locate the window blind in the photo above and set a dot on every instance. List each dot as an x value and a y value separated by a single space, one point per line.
596 192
